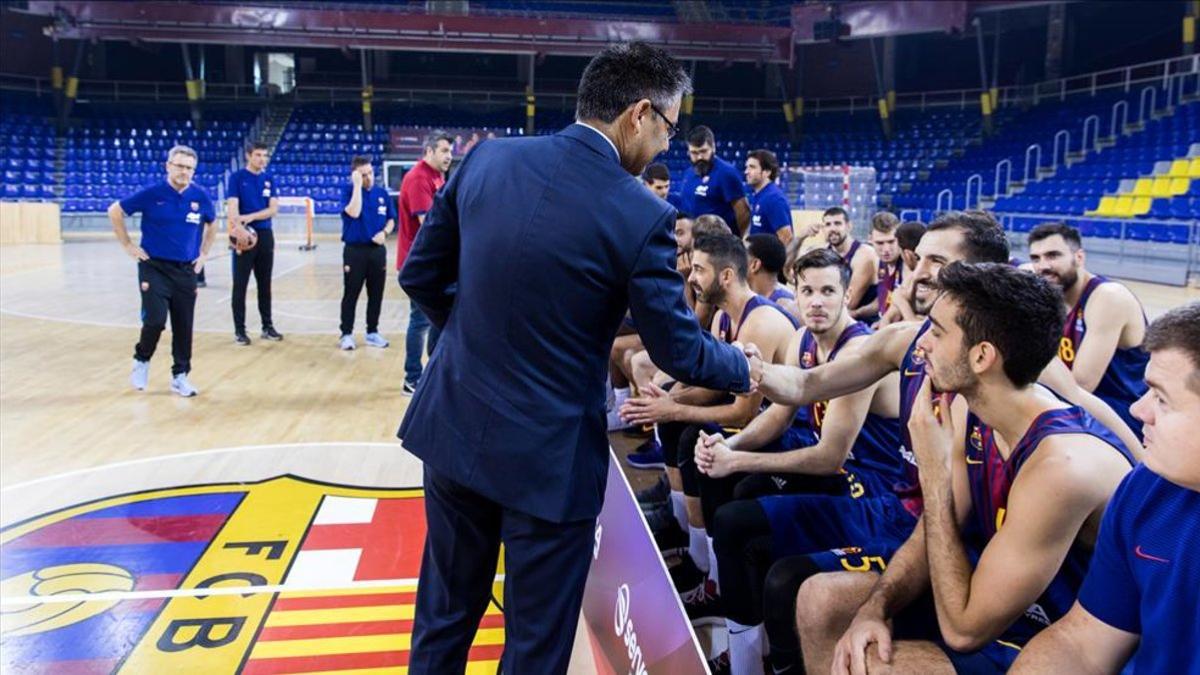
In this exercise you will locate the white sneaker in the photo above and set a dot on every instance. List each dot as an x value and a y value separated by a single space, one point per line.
140 374
376 340
181 386
347 343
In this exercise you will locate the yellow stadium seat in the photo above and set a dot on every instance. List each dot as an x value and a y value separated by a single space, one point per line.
1139 206
1161 187
1124 206
1142 187
1179 167
1178 186
1107 207
1194 169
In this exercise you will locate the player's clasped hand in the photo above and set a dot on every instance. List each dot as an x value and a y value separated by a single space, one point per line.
713 456
379 237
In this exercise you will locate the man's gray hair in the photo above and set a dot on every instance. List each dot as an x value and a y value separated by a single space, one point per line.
182 150
432 138
624 74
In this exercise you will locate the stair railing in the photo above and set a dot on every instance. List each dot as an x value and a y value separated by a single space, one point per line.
1066 147
1143 115
949 195
977 179
1006 164
1123 106
1083 142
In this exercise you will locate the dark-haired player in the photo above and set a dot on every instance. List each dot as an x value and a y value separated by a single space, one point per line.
1102 336
862 261
828 457
767 257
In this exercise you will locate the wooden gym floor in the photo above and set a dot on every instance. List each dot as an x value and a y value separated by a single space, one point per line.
69 319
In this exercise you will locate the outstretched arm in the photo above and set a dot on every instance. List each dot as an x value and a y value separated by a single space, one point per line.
879 354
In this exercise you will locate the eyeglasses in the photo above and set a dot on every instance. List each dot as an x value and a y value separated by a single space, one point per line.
183 167
672 128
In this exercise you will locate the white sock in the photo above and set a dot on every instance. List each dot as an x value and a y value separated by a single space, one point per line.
712 562
698 548
745 648
620 395
679 508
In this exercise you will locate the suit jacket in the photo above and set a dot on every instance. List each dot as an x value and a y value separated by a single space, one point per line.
527 261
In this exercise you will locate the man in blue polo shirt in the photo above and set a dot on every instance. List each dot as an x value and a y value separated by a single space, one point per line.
177 231
1138 604
714 186
769 209
368 216
251 201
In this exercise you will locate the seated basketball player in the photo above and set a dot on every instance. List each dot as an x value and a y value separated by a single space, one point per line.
642 369
900 303
857 456
767 257
1138 603
863 263
1015 481
891 268
1102 337
719 277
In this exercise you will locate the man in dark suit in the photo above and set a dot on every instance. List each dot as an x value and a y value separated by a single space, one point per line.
559 238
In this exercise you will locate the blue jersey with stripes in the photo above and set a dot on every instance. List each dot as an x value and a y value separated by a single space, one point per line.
1123 381
876 449
991 476
728 333
912 376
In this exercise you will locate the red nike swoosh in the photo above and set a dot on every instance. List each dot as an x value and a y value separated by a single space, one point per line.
1146 556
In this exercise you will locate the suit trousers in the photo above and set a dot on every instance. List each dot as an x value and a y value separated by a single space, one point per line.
546 565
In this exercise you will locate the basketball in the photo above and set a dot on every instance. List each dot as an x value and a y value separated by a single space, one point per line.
243 239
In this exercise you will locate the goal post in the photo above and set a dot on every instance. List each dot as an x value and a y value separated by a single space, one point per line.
853 188
294 221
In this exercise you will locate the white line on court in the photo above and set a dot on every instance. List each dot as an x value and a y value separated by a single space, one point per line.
201 453
222 301
206 592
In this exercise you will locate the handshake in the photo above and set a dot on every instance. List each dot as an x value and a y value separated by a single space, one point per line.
754 361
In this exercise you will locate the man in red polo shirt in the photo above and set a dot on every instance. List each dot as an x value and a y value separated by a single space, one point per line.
416 198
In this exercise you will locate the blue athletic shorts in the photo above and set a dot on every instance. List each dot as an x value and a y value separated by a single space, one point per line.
841 528
918 621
